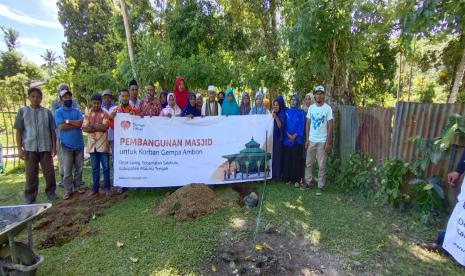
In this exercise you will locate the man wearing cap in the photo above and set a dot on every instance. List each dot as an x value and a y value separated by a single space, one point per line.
211 107
57 103
69 120
96 125
319 134
134 94
107 101
107 106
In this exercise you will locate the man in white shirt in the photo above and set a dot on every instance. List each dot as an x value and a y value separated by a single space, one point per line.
319 134
211 107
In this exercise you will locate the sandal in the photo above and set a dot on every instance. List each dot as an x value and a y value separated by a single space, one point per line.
66 196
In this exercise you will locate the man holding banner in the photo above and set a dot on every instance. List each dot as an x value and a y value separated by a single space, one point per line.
211 107
453 239
125 107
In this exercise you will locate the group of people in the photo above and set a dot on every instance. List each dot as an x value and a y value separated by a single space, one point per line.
302 134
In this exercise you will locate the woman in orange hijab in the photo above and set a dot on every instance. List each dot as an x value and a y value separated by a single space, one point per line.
266 103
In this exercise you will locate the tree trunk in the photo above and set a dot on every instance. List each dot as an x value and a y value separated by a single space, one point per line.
338 85
350 90
459 73
127 28
411 69
399 82
273 42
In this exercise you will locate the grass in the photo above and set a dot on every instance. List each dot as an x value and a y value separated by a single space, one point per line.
7 120
336 222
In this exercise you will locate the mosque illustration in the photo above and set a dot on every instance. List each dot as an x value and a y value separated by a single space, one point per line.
250 163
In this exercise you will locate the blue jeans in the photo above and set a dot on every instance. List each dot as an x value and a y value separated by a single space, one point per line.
97 158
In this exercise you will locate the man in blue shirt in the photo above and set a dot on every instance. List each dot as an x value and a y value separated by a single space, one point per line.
57 103
69 121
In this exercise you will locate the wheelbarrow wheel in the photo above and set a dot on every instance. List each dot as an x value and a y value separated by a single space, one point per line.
24 255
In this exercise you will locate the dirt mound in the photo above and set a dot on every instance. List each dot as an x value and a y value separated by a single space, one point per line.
67 219
189 202
272 253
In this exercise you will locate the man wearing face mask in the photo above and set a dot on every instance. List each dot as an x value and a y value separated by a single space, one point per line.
57 103
69 120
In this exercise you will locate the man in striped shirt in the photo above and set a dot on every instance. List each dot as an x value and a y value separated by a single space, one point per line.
96 125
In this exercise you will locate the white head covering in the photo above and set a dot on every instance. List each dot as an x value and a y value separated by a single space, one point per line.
211 88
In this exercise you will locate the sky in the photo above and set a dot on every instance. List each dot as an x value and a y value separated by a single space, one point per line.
37 24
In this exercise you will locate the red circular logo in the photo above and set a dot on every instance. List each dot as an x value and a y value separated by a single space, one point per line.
125 124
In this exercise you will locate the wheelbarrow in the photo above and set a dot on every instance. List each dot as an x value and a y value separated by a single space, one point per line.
17 258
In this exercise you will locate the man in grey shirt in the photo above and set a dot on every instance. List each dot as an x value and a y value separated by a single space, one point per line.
35 138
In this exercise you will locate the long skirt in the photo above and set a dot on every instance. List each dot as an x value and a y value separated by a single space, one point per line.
277 163
292 163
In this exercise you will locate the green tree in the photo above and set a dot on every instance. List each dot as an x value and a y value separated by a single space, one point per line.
427 94
89 33
50 59
10 37
16 74
437 18
337 43
191 26
10 63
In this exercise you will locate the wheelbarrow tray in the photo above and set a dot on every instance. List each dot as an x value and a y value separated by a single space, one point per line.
14 219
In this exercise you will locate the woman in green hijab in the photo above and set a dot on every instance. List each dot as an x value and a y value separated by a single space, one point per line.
230 106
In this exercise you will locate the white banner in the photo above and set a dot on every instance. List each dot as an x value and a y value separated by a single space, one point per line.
164 152
454 240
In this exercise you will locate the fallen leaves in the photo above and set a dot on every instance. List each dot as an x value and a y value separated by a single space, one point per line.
84 231
134 260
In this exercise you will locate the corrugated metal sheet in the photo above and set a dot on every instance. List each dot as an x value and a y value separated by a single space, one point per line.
426 120
385 133
365 130
374 132
348 130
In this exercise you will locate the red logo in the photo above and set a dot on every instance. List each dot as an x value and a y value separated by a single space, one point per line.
125 124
